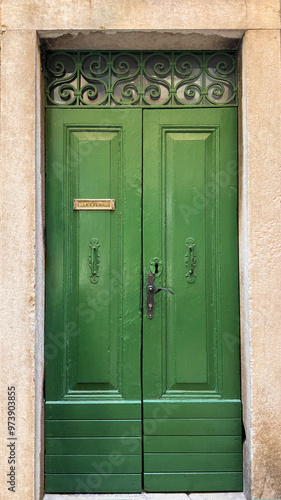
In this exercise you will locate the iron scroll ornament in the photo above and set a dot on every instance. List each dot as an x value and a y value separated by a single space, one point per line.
144 79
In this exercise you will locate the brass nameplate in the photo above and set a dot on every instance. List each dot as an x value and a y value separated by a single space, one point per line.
93 204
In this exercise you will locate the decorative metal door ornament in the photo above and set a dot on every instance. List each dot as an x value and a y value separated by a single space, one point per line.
144 79
156 266
190 261
94 260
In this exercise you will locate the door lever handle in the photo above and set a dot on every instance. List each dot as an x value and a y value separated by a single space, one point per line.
166 290
151 290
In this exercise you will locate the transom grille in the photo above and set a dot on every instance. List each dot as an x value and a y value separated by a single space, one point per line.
142 79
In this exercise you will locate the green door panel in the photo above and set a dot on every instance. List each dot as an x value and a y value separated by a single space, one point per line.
86 428
128 398
192 444
87 483
193 462
190 192
93 321
89 464
121 445
194 481
191 379
198 409
188 427
73 410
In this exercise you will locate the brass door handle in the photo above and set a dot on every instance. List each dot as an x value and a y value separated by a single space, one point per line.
151 290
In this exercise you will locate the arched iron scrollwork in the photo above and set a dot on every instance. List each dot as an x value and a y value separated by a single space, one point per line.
144 79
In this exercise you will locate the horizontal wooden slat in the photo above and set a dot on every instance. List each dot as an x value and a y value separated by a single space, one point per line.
192 409
93 446
91 428
192 444
94 410
193 427
87 464
183 462
93 483
209 481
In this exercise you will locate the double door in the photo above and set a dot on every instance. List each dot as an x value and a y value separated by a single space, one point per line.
142 385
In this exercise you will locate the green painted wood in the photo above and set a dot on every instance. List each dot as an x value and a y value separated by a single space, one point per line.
193 462
93 483
93 326
191 347
192 409
196 427
192 444
92 410
91 428
201 481
93 446
93 464
93 344
191 375
88 326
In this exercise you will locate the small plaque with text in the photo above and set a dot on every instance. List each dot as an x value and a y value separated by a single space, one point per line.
95 204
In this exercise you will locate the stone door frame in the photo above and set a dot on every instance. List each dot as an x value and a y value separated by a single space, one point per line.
259 234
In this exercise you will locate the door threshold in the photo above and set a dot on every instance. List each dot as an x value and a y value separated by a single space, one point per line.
147 496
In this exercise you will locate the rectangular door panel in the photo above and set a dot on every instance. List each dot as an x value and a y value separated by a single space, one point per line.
193 462
85 464
93 320
191 444
191 376
190 168
95 302
194 481
87 483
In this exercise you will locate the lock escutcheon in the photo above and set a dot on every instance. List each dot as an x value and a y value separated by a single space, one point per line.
151 290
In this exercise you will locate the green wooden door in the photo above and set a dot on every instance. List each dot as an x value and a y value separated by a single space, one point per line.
133 402
191 379
93 323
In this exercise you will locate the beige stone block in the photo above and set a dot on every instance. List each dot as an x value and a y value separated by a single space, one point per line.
141 14
262 277
17 257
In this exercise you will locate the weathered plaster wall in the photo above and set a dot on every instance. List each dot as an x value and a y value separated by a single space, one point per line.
39 270
262 270
141 14
144 39
17 244
142 24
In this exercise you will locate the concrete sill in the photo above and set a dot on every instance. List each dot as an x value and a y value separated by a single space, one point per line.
149 496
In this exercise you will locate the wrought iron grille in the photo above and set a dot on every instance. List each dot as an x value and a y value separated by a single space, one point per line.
144 79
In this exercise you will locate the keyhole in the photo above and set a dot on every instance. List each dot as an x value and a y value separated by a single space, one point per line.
156 267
